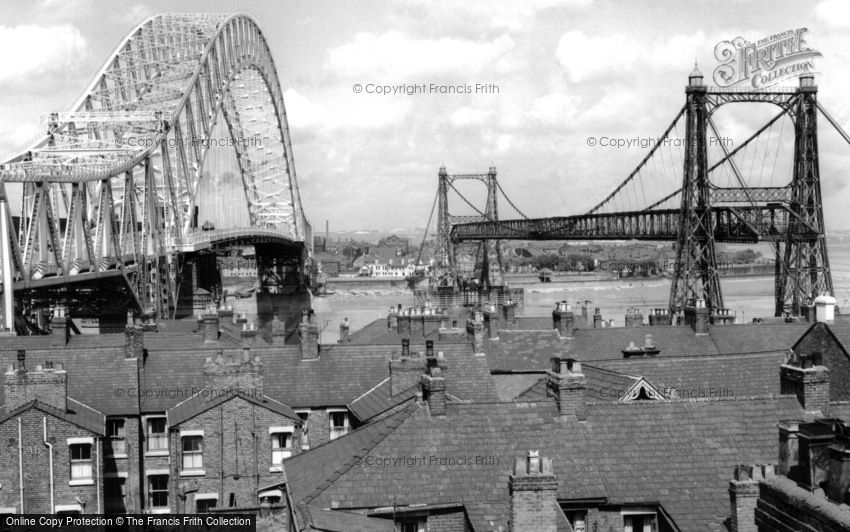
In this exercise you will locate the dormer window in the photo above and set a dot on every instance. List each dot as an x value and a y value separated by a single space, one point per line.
639 522
339 423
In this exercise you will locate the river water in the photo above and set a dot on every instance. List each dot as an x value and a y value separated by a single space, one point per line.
747 297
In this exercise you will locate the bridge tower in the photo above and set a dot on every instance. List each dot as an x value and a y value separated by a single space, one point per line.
487 255
696 275
802 262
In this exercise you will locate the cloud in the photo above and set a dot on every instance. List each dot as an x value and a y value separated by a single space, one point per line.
396 57
556 108
468 116
136 14
512 16
835 13
361 111
39 51
588 58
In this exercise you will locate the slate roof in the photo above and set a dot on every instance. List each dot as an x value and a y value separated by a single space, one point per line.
336 521
378 400
738 375
201 402
97 372
344 372
75 412
531 350
678 453
755 337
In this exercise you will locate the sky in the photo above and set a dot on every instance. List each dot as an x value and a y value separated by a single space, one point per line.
562 71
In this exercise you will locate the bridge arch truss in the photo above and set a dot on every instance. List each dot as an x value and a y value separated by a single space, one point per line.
113 186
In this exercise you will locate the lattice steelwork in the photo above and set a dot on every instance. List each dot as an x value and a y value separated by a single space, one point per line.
788 215
488 269
114 184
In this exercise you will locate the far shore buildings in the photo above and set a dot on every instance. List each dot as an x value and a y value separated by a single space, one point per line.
430 420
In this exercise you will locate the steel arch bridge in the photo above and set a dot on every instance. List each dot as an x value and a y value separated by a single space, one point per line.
113 187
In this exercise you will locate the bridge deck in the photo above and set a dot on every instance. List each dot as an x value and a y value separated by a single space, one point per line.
731 224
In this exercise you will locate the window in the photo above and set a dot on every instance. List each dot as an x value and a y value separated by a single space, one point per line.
412 525
339 424
578 520
639 523
193 453
158 491
113 492
272 497
115 432
157 434
81 461
281 447
203 505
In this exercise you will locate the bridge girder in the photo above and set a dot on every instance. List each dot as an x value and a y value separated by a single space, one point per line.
114 182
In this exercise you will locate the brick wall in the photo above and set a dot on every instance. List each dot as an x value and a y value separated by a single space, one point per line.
36 464
819 339
241 456
779 511
47 385
126 467
449 521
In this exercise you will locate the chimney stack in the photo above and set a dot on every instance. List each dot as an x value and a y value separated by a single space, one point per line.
208 323
248 335
825 308
808 311
568 385
475 331
814 441
659 316
309 330
634 318
563 319
434 389
134 342
838 487
405 371
404 322
344 328
806 377
491 321
696 315
597 319
225 318
60 331
241 372
744 494
240 321
585 318
278 329
533 489
46 383
508 317
392 320
789 448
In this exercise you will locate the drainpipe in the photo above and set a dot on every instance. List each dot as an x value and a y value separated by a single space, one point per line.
50 457
6 255
97 474
21 463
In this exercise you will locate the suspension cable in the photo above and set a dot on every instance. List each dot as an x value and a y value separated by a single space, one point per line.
834 123
427 226
643 162
499 186
487 217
